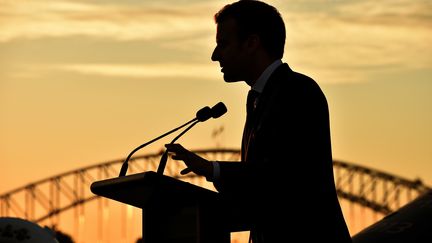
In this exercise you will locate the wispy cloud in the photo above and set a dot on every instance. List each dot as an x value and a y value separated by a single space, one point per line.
202 71
399 13
352 37
337 38
42 18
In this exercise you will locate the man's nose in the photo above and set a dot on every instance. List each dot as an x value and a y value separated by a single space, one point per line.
214 56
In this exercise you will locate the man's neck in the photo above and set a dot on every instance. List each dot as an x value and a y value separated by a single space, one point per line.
265 75
258 69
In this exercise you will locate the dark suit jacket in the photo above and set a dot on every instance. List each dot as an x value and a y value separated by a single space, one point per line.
285 186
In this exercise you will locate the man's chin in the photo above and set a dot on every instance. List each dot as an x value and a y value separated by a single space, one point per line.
230 79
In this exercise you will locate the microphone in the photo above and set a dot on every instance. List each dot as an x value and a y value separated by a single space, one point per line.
202 115
215 112
218 110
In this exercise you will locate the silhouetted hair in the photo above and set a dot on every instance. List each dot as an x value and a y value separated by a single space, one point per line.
255 17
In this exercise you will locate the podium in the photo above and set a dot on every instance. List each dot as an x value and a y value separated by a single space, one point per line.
172 210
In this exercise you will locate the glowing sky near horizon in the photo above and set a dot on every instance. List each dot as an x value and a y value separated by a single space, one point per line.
83 82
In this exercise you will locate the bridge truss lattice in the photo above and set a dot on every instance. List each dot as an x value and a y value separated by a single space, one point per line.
46 201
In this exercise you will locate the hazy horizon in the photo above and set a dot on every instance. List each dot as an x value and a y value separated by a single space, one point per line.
83 82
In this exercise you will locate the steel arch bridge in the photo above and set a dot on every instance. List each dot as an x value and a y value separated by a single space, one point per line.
65 200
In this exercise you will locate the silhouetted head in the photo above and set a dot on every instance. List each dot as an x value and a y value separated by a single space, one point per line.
247 31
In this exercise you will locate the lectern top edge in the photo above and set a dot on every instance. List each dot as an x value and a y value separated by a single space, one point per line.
138 189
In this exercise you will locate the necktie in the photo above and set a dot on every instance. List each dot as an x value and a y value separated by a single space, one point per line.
250 106
251 99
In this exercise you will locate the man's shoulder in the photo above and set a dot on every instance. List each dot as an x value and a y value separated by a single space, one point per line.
284 71
295 83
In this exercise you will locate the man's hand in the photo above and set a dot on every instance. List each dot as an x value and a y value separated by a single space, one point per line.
194 163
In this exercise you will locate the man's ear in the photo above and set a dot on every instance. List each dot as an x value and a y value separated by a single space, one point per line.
253 42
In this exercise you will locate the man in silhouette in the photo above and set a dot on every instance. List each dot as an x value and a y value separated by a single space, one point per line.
284 184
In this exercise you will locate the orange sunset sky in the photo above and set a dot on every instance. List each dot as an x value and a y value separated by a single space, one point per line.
84 82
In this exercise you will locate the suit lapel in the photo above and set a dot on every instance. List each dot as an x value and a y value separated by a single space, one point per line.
253 121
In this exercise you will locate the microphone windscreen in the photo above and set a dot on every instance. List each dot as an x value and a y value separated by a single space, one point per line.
218 110
204 114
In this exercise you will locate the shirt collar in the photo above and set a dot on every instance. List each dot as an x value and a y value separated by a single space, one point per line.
262 80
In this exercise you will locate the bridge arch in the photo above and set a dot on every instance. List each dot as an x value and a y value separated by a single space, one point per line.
44 201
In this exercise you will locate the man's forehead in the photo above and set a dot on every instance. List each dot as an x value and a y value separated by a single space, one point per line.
226 28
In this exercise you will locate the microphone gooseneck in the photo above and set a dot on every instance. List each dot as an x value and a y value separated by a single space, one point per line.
125 165
216 111
164 158
202 115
